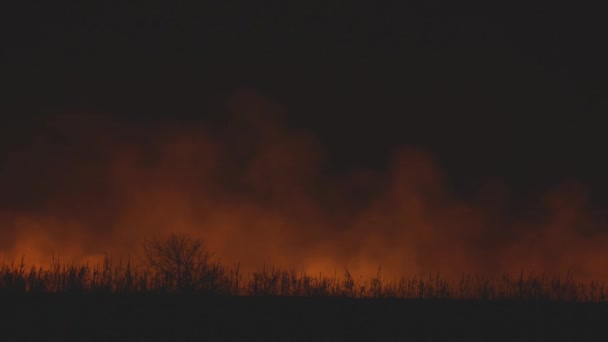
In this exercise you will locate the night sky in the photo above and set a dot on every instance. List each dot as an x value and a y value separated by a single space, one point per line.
511 93
505 93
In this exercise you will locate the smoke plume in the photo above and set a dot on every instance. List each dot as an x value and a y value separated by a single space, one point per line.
255 190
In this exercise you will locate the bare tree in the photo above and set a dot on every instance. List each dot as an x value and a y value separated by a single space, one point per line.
179 258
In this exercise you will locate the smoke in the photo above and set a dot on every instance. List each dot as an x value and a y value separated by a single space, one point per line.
255 191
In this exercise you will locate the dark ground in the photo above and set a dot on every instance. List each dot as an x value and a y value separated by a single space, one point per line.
182 318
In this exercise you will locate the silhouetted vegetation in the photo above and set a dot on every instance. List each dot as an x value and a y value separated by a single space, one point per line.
207 276
182 292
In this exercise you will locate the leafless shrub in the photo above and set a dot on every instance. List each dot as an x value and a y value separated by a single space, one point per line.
179 259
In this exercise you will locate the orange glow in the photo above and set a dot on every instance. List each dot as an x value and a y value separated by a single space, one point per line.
253 189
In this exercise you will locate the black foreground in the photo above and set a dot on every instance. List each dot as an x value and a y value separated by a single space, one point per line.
188 317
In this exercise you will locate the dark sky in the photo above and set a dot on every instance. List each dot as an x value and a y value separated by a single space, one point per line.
510 93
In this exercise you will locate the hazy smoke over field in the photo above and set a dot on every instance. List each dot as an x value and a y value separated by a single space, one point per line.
256 192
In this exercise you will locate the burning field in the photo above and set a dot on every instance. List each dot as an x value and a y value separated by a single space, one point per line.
238 227
262 194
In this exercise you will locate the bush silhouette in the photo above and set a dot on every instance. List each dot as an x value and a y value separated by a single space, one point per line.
180 259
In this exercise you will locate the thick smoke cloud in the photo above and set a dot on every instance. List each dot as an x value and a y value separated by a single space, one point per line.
255 190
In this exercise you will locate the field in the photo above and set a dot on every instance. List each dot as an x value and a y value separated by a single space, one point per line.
119 301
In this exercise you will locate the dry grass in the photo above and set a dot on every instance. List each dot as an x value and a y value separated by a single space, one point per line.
214 278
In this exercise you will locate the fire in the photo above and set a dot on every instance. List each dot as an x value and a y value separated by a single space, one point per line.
255 191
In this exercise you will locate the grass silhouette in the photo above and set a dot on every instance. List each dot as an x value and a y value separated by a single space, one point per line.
181 293
126 302
213 278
